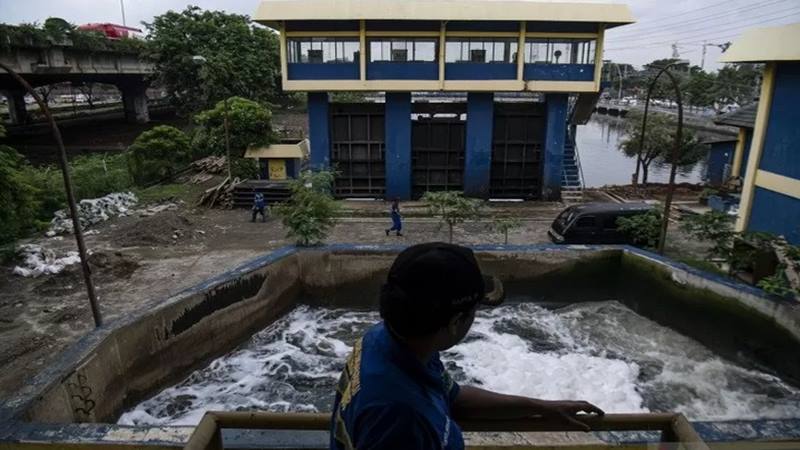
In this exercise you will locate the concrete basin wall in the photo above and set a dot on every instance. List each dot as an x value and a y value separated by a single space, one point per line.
124 362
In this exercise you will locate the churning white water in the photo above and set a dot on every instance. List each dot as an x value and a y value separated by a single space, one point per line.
601 352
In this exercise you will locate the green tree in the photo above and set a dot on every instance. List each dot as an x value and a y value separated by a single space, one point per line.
310 212
506 224
699 89
249 124
18 197
712 226
158 153
659 142
242 59
738 83
451 207
644 229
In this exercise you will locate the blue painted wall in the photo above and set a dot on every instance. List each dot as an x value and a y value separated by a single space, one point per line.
559 72
323 71
319 130
398 145
720 155
555 135
563 27
781 152
462 25
776 213
478 152
292 168
322 25
403 71
480 71
403 25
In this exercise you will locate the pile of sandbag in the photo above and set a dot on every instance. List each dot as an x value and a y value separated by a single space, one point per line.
92 211
37 260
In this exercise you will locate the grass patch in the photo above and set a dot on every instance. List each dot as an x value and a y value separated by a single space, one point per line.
189 193
702 264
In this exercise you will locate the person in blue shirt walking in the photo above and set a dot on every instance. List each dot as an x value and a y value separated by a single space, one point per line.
397 224
394 392
259 204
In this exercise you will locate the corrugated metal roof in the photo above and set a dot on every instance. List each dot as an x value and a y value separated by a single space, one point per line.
766 44
272 11
744 117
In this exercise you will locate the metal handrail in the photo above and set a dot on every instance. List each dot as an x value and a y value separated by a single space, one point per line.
673 427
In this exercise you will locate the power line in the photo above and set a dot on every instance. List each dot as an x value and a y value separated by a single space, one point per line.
705 35
704 23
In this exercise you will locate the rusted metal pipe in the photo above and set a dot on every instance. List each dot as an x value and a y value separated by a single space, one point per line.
73 208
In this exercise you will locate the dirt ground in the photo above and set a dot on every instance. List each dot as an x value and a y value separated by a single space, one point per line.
137 258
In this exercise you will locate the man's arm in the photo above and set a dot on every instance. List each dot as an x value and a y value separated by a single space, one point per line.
476 403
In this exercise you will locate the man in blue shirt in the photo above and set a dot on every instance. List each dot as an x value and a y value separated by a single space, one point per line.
394 392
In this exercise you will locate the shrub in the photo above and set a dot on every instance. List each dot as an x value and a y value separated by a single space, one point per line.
249 124
506 224
712 226
18 197
451 207
158 153
309 213
643 229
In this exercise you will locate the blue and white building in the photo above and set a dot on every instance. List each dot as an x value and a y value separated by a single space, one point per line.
463 56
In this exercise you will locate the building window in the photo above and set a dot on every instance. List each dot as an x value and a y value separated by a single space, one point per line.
323 50
479 50
560 51
402 50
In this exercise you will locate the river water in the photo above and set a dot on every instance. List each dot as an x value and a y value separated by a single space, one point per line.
604 164
601 352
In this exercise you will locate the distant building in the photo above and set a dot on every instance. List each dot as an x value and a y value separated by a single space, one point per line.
771 188
491 50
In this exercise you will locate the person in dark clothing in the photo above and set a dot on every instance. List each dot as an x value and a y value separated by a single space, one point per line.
259 204
394 392
397 224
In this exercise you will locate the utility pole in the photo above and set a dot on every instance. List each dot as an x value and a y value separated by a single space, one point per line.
122 6
703 59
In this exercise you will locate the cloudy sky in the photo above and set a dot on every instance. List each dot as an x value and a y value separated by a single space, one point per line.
661 23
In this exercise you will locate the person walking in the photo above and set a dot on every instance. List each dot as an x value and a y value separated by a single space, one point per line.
259 204
397 223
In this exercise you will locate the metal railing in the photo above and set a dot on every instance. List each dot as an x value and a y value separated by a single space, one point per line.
674 428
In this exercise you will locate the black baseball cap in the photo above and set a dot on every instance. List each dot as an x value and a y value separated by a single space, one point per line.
437 279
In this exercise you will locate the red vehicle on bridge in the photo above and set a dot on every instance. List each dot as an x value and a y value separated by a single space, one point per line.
112 31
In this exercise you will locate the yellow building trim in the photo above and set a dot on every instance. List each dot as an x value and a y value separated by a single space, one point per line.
738 154
403 34
756 147
521 50
778 183
482 34
484 85
358 85
554 35
277 151
296 34
442 44
284 59
561 86
598 57
362 51
765 44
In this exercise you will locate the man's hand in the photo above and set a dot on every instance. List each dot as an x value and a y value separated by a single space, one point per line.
567 411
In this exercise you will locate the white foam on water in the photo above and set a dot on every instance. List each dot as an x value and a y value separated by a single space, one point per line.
601 352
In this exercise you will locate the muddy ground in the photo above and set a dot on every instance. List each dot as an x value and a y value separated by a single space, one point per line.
138 258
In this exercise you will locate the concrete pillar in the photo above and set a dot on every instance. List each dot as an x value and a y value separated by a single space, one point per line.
319 130
555 137
16 106
134 102
398 145
478 152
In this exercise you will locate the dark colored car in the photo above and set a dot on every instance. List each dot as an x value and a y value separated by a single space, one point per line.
594 223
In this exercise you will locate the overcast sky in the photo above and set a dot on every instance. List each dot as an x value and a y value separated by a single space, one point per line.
660 22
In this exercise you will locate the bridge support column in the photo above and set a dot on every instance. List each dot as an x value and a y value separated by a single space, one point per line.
319 131
555 137
398 145
134 102
16 106
478 151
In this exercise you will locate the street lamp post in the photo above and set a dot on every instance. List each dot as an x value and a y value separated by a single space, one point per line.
73 209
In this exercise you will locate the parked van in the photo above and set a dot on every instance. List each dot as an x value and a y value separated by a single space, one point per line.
594 223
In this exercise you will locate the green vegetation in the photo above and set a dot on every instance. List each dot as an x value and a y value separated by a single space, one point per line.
715 227
250 125
158 153
659 142
644 229
241 58
18 197
309 213
451 207
505 224
186 192
59 31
